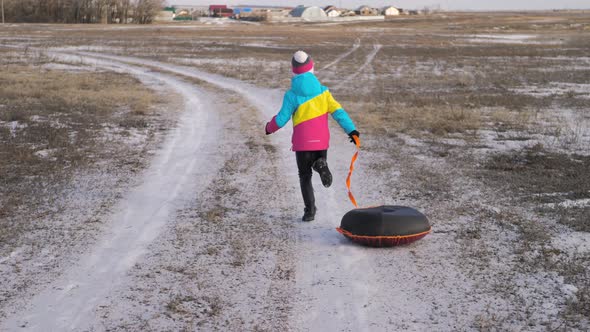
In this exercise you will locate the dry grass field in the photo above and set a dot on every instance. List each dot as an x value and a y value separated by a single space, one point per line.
58 123
482 120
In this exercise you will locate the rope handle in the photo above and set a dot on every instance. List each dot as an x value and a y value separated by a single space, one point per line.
357 142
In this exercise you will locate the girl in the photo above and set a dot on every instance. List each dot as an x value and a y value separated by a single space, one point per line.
308 103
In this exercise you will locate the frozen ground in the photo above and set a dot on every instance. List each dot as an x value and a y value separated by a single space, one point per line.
209 238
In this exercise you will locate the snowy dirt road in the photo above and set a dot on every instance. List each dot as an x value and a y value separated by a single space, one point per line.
333 279
333 276
340 286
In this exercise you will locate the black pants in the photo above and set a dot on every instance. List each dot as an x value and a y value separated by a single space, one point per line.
305 160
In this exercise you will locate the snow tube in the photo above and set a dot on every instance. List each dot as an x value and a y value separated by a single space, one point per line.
384 226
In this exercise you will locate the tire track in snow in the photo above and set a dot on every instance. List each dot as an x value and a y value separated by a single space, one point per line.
70 303
336 274
368 61
339 58
333 275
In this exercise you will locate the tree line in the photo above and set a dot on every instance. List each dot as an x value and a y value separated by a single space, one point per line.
82 11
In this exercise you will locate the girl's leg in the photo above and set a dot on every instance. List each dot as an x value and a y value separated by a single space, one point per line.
320 165
305 160
320 154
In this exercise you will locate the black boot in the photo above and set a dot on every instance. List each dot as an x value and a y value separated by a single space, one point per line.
308 197
309 214
321 166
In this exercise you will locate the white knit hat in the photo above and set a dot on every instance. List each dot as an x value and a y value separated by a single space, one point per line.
300 56
302 63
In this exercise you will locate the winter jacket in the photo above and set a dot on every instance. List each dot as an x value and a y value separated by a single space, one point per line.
308 103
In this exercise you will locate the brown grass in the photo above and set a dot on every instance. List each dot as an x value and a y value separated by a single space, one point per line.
420 122
96 93
538 171
503 119
546 180
59 118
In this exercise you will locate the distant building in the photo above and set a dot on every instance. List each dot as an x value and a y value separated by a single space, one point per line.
281 11
347 12
333 12
390 11
367 11
276 14
166 15
242 10
183 15
183 12
220 11
189 12
309 13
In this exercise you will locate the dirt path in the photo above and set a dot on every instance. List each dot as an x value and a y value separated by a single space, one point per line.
369 59
139 218
335 280
339 58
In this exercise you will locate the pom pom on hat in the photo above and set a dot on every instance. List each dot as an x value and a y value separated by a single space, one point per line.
301 62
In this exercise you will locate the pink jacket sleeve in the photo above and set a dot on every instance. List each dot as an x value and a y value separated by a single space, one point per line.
272 126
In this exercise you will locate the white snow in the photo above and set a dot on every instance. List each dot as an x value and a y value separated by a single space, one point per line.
557 89
575 242
46 153
14 126
66 67
568 203
223 21
92 48
511 39
11 255
221 62
515 37
565 130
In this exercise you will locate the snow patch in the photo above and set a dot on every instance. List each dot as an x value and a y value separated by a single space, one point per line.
582 90
12 255
234 62
223 21
67 67
511 39
90 48
515 37
46 153
568 203
15 126
573 242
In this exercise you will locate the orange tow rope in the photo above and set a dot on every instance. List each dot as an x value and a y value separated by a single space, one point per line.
357 141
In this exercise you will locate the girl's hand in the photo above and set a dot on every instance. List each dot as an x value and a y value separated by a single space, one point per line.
353 133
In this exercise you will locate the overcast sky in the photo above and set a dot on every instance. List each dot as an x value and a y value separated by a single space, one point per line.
444 4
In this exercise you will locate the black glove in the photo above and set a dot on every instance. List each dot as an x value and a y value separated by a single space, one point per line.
353 133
